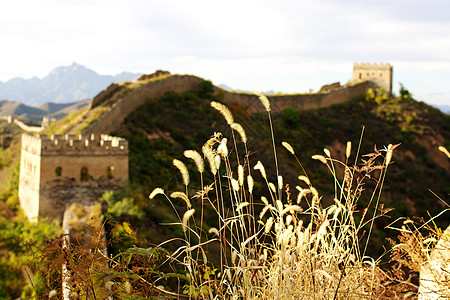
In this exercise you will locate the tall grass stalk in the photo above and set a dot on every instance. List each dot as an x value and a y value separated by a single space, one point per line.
289 245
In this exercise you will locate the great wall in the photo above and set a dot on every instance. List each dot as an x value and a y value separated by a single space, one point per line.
58 171
122 106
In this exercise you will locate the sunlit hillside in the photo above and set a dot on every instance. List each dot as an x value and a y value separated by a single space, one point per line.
414 183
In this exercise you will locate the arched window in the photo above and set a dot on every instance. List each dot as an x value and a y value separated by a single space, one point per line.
109 172
58 171
84 174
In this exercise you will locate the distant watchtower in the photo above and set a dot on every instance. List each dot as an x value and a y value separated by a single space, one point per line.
381 74
59 170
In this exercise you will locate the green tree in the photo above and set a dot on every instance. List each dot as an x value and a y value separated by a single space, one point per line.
404 93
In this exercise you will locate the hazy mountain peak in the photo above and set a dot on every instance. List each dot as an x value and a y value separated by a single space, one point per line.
63 84
74 67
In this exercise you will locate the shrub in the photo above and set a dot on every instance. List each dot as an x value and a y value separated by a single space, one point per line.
291 116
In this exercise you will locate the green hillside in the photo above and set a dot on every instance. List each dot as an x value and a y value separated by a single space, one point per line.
161 129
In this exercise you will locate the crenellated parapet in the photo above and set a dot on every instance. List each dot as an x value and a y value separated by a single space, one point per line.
74 144
374 66
58 170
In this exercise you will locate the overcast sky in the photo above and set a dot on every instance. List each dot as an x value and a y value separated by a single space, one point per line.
282 45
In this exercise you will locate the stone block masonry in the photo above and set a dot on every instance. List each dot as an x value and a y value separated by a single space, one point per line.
381 74
59 170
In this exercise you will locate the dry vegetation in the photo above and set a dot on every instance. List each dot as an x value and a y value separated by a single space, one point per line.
287 244
283 246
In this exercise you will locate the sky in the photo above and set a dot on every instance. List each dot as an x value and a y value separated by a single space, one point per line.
289 46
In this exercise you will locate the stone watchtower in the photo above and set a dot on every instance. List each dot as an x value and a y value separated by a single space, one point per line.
59 170
381 74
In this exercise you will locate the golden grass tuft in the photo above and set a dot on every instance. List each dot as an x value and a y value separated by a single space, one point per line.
240 130
224 111
183 170
272 248
197 158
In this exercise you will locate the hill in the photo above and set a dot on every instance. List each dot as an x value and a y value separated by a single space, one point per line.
33 114
179 117
63 84
10 108
163 115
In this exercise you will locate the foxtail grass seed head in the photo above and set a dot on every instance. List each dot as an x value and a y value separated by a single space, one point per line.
291 209
265 102
214 230
187 215
302 194
155 192
222 149
209 154
389 155
327 152
280 182
241 175
264 210
348 150
259 166
279 206
272 187
323 228
240 130
444 150
217 161
337 212
197 158
242 205
183 170
429 240
224 111
182 196
250 183
264 200
288 147
234 184
304 179
288 220
320 157
268 225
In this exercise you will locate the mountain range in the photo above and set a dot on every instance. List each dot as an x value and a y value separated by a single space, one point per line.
35 114
62 85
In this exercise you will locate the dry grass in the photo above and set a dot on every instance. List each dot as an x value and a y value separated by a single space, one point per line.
285 245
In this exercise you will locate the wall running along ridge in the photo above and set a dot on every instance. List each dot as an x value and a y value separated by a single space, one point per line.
123 106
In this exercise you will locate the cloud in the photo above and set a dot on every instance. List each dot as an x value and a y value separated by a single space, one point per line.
239 43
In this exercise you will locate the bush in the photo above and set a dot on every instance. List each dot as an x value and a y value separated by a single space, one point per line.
291 116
